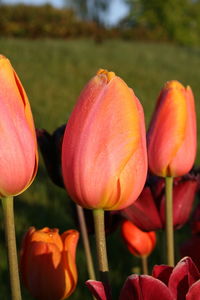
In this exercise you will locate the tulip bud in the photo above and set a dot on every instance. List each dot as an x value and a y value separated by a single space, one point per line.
104 161
138 242
48 263
171 137
19 158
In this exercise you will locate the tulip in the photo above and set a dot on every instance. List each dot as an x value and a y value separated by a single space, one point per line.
48 263
104 160
179 283
138 242
171 137
19 158
50 147
148 211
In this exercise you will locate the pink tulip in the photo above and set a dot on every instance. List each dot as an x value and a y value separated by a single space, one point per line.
19 158
172 133
104 160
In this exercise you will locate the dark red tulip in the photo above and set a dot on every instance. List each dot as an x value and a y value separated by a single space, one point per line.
194 291
97 289
162 272
148 212
50 146
144 287
183 276
166 283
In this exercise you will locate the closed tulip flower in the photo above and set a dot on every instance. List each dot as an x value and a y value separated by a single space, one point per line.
104 160
19 158
172 134
48 265
138 242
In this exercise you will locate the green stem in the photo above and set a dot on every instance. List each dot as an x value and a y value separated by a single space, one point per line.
169 220
101 248
86 243
8 212
144 260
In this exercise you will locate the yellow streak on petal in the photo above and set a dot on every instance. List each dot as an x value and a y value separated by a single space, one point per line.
173 84
109 75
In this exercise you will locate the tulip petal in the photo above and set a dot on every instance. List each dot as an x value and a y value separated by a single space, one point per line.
183 198
162 273
138 242
187 151
144 287
183 276
144 213
172 132
97 289
70 240
194 291
102 141
18 166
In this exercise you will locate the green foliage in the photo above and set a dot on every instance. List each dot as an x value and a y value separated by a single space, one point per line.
53 73
176 20
42 21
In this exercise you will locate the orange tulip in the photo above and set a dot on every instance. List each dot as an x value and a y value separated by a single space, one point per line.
172 133
138 242
19 158
104 160
48 263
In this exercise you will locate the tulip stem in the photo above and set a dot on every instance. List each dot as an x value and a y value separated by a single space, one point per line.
144 260
8 212
169 220
86 243
101 248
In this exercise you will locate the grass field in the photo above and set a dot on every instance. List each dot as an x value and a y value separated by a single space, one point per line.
53 73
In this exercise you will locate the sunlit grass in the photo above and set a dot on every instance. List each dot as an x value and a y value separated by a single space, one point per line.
53 73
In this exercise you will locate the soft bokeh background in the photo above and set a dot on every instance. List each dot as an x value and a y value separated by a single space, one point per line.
55 65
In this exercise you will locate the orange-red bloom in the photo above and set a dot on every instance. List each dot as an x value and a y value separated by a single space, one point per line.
48 265
172 133
19 158
138 242
104 150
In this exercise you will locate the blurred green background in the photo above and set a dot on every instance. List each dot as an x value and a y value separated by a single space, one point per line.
54 71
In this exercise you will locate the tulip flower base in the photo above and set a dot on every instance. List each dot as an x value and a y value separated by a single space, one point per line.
7 204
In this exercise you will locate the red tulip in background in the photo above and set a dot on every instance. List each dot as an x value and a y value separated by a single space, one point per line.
171 139
148 212
167 283
138 242
191 247
104 160
18 166
48 265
